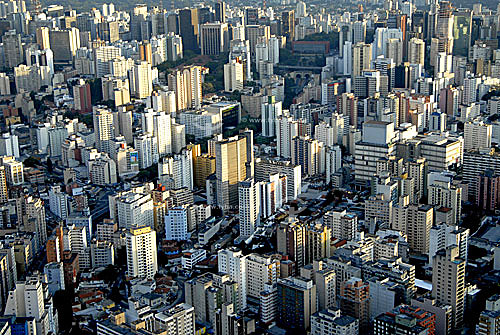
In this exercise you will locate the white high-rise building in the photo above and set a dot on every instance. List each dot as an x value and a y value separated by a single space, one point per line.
416 51
4 84
286 129
147 149
442 236
160 125
477 135
176 224
179 320
233 76
133 209
177 170
58 202
55 276
249 207
186 83
232 262
141 253
141 80
103 56
104 129
9 145
270 112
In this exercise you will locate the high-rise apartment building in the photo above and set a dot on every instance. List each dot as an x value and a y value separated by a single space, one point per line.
233 76
186 83
477 135
362 57
103 128
355 301
249 207
12 48
291 238
141 80
141 252
448 282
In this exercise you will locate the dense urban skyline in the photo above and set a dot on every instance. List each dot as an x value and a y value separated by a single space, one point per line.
250 167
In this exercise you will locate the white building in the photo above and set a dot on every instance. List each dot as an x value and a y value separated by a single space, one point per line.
141 252
249 207
58 202
176 224
330 321
233 76
55 276
147 149
202 123
270 112
133 209
177 170
9 145
232 262
477 135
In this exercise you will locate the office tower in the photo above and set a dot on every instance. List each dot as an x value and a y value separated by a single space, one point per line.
252 16
109 31
176 224
317 242
141 252
103 128
377 143
306 152
444 194
64 44
214 38
232 262
444 27
358 32
42 37
477 135
230 161
448 282
362 57
233 76
12 48
395 50
291 238
330 321
416 222
296 303
186 83
188 28
416 51
254 33
141 80
82 97
288 24
355 300
368 83
249 207
270 112
381 39
462 31
220 11
175 48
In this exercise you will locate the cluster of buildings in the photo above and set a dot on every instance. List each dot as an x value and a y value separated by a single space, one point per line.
361 198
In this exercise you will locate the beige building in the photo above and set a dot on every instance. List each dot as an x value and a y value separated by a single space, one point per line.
416 222
448 282
361 58
261 270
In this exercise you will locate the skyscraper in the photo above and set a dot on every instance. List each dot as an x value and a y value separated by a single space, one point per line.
141 252
448 282
103 128
362 56
13 49
188 28
296 303
355 301
186 83
230 162
214 38
220 11
233 76
249 207
141 80
288 24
